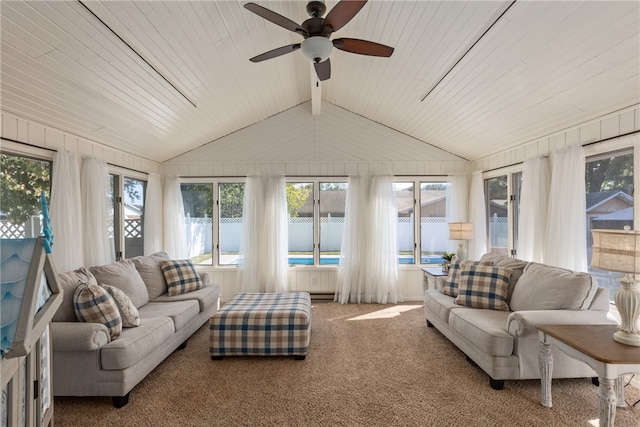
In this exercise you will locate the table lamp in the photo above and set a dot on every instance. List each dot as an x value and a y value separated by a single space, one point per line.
461 231
619 250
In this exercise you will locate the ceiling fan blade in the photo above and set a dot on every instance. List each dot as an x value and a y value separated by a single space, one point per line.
362 47
342 13
276 52
323 70
276 18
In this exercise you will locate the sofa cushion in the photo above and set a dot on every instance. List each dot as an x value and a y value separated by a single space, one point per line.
484 287
484 329
206 297
543 287
93 304
180 312
136 343
181 276
128 311
68 282
149 269
123 275
515 265
439 304
453 279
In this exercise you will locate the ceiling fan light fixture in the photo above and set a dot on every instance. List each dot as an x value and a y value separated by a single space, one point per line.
316 49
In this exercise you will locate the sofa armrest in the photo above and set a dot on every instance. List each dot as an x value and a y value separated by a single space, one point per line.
78 336
521 323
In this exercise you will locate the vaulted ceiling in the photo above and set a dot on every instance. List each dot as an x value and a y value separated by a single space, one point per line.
159 78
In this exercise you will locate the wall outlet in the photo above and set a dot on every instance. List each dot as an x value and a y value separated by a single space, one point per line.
314 280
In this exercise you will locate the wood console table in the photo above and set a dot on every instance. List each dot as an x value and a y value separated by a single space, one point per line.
594 345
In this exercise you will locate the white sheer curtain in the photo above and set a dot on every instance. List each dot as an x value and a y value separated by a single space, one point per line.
457 203
153 215
352 255
275 236
250 272
534 206
381 285
65 212
175 243
567 224
478 217
98 246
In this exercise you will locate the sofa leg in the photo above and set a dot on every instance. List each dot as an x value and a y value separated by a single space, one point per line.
183 345
429 324
299 356
595 381
216 357
120 401
496 384
470 360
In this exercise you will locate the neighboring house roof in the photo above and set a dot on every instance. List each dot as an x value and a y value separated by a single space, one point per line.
621 215
597 199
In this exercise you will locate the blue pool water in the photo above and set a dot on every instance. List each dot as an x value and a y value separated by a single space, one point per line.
435 259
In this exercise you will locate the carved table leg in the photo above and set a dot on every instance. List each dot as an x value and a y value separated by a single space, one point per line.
546 368
620 393
606 402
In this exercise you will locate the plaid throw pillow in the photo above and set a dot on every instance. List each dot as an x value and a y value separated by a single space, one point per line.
181 277
93 304
484 287
453 279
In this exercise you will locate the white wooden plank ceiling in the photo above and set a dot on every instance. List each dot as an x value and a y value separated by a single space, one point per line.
542 67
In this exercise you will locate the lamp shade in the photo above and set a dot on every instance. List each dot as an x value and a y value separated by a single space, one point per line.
616 250
317 48
460 231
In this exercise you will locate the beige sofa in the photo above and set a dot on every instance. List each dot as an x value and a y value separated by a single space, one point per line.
505 343
87 362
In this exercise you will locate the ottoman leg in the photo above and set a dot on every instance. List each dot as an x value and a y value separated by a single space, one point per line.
299 357
216 357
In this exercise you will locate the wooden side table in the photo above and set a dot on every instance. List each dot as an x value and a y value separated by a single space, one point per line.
594 345
430 275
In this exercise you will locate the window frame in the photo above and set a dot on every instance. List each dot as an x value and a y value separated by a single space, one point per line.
510 172
119 238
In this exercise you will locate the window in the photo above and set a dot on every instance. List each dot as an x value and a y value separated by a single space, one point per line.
126 197
230 223
333 197
198 212
405 201
516 185
497 199
300 208
609 188
21 181
434 230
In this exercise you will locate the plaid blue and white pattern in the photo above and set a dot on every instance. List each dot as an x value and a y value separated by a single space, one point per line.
181 277
453 279
94 304
484 287
262 324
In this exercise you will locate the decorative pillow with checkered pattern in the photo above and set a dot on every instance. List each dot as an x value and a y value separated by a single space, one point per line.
484 287
181 277
453 279
93 304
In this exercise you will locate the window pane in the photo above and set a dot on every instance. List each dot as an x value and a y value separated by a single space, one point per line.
517 187
21 180
114 215
496 191
609 185
230 223
198 212
332 205
405 202
434 230
133 212
300 209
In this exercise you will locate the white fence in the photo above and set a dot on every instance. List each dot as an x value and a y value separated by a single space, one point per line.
434 234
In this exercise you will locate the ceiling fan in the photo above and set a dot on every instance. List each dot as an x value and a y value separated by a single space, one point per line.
316 31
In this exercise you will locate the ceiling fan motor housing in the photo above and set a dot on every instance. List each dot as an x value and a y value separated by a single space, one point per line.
316 9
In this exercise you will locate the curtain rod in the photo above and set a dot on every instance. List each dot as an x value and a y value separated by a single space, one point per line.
584 145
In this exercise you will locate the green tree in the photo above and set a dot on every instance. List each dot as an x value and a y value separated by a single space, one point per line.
610 173
297 195
197 200
21 181
231 200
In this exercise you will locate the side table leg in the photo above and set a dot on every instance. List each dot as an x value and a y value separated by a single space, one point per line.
606 402
620 392
545 360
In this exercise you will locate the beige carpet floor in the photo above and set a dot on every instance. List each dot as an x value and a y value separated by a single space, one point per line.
368 365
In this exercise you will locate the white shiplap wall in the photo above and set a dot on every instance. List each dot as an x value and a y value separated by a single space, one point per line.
37 135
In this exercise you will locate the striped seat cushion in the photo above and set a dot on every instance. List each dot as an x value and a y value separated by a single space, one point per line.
262 324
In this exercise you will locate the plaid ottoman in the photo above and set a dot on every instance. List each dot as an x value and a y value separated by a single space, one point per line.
262 324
